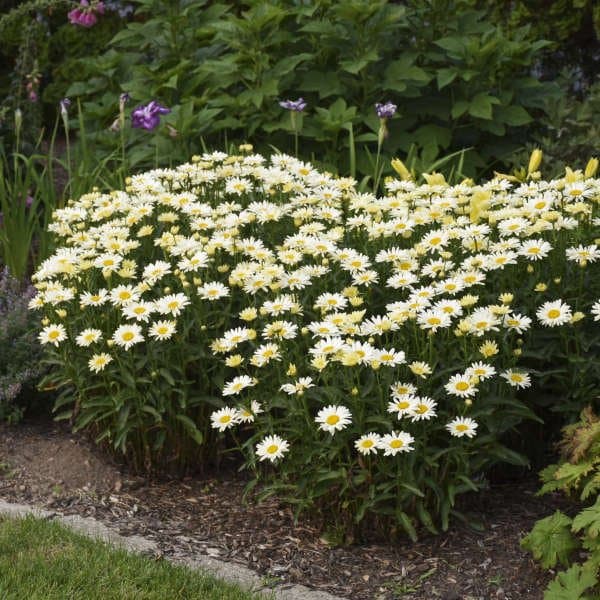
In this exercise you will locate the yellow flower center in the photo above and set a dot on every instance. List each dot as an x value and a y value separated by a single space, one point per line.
553 313
225 419
434 321
461 427
332 419
462 386
272 449
396 443
422 408
367 444
128 336
54 334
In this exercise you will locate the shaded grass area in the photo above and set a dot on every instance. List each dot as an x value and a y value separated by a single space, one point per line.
42 560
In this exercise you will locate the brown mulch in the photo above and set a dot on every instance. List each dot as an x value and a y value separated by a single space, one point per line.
46 465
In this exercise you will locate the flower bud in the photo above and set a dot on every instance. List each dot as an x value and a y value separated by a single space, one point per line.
591 168
401 169
535 160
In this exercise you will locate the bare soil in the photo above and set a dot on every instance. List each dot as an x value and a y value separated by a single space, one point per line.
46 465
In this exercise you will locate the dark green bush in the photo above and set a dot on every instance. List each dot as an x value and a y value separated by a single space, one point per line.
459 80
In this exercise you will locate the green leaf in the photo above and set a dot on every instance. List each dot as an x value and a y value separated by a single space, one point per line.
513 115
445 77
550 540
459 108
407 525
481 106
589 518
191 428
570 584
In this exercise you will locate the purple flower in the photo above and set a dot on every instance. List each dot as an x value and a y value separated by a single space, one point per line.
385 111
124 98
148 117
64 106
294 105
28 201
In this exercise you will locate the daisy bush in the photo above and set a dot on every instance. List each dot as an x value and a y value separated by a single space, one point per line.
368 355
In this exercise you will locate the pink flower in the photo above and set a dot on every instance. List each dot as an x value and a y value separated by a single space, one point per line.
85 14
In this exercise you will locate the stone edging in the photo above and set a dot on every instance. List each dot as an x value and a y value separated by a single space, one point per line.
227 571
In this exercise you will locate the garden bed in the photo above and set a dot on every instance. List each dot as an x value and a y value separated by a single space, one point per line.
46 465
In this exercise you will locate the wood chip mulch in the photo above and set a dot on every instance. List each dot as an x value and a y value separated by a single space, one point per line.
52 468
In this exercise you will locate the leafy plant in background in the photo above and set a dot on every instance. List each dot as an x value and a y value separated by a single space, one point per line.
20 352
458 80
574 542
569 132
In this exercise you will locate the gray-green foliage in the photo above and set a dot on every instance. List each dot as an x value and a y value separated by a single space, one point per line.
459 79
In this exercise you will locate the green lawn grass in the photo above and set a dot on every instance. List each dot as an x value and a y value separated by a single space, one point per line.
42 560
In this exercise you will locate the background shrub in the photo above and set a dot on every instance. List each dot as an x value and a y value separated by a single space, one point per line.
20 353
460 80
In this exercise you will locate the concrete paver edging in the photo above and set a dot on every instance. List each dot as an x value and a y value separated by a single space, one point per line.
227 571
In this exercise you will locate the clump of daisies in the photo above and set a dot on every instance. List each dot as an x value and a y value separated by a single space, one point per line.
370 352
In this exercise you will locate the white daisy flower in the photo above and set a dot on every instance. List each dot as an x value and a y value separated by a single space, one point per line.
128 335
172 304
516 322
517 379
53 334
213 291
368 443
162 330
224 418
88 337
462 426
333 418
237 384
402 405
552 314
395 442
272 448
424 409
99 361
461 386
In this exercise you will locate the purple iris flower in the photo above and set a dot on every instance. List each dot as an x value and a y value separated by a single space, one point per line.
385 111
64 106
294 105
148 117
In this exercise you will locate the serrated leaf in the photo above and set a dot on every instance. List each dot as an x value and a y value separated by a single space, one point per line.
570 584
550 540
589 519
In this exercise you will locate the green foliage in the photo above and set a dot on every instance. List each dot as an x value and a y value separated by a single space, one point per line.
550 541
459 80
555 538
570 131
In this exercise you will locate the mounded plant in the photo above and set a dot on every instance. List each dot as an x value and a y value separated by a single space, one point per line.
371 352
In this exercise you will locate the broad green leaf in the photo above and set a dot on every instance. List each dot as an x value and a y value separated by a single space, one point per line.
481 106
570 584
445 77
550 540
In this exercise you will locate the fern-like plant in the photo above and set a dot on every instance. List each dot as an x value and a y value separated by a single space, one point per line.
554 539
